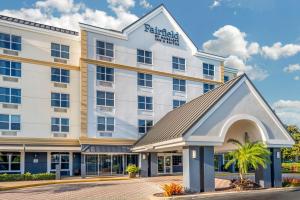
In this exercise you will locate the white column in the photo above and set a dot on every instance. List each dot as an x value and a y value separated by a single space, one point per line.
71 163
48 162
22 160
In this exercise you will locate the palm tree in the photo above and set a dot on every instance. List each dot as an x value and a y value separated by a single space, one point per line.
248 155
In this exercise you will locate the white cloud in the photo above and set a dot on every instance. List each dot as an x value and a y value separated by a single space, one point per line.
297 78
254 72
67 14
145 4
215 3
288 111
292 68
278 51
231 42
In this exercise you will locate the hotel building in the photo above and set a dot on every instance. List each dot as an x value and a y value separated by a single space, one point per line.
81 100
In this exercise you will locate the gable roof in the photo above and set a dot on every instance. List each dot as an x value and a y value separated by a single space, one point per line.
178 121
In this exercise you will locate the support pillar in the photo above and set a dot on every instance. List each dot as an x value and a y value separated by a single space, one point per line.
83 166
220 162
263 176
207 169
276 175
144 165
153 164
191 168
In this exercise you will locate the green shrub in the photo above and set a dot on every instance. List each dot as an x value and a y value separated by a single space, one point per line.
26 177
132 168
290 167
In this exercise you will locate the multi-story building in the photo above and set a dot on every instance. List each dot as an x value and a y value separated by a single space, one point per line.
69 97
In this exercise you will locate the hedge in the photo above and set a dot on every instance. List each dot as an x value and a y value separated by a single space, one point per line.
26 177
290 167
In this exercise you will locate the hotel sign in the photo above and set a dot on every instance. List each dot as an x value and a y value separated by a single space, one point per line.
162 35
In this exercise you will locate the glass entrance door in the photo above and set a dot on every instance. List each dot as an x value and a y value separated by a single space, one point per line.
161 164
92 165
168 164
104 164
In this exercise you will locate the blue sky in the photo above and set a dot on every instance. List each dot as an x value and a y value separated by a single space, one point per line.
261 37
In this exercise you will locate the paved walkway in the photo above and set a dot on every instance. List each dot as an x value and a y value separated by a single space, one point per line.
141 188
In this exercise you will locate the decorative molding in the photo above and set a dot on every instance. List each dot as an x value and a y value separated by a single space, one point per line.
147 71
39 62
40 141
83 86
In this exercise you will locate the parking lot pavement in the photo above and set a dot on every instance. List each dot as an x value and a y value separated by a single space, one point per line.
141 188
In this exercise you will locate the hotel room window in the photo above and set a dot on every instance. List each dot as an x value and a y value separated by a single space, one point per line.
144 56
145 80
178 63
145 103
60 75
105 49
226 78
10 162
60 125
10 95
178 103
9 68
60 100
208 87
179 85
10 122
208 69
106 124
12 42
105 98
105 74
60 51
144 125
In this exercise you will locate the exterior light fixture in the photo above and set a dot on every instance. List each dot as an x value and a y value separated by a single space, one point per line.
278 155
194 154
144 156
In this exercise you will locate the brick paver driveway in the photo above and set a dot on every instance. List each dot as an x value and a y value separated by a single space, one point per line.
141 188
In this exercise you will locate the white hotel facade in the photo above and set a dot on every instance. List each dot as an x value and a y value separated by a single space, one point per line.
69 98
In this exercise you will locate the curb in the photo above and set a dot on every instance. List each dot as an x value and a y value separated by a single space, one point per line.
210 194
60 182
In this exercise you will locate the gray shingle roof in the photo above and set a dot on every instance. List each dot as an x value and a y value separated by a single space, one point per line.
38 25
178 121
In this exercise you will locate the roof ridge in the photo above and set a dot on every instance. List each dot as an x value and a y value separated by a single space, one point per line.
38 25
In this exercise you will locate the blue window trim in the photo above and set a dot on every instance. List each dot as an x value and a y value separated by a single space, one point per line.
61 125
208 69
60 75
10 68
10 95
10 122
60 50
60 100
145 103
106 124
144 56
178 63
9 41
105 73
105 98
144 125
105 49
179 85
144 80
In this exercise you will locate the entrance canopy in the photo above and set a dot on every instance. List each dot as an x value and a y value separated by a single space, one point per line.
234 110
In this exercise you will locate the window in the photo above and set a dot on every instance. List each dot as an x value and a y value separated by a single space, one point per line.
9 68
177 160
60 125
144 56
10 162
60 50
105 98
178 63
105 74
145 80
105 49
144 103
60 75
179 85
145 125
177 103
106 124
61 159
10 122
12 42
10 95
208 69
208 87
226 78
60 100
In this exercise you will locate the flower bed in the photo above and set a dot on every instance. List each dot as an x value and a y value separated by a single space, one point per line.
291 182
26 177
290 167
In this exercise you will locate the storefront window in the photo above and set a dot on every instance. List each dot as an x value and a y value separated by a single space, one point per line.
10 161
61 159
